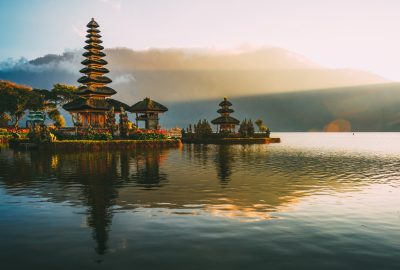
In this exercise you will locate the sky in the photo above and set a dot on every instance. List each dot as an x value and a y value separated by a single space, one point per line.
355 34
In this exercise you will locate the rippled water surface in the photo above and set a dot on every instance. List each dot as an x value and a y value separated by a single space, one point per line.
315 201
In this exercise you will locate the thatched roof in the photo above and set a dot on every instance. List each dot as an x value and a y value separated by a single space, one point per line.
93 35
148 105
96 47
227 110
93 31
90 53
95 104
100 62
225 120
100 90
98 79
225 102
87 70
98 41
92 24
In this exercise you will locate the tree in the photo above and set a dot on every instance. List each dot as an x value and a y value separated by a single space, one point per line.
206 128
243 128
246 128
57 118
250 128
261 126
62 94
54 99
4 119
123 123
16 99
110 120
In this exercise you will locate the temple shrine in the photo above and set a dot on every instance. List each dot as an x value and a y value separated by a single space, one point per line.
147 111
225 123
89 110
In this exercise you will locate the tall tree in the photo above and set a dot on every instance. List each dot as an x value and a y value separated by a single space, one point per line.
15 99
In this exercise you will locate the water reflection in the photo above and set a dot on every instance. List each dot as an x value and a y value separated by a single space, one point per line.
223 162
82 179
249 182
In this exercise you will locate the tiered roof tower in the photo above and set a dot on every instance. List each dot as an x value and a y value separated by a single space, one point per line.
225 122
94 93
94 80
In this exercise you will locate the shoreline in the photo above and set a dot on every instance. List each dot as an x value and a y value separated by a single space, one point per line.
231 140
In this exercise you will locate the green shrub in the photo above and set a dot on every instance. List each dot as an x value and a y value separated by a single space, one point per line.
90 134
147 136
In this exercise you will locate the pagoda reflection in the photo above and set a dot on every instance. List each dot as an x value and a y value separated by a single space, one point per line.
223 162
89 179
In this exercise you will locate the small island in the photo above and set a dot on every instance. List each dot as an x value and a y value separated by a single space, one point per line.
202 133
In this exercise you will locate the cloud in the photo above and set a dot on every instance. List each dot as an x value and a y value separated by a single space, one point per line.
67 62
124 79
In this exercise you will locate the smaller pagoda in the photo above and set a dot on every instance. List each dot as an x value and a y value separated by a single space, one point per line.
147 111
225 123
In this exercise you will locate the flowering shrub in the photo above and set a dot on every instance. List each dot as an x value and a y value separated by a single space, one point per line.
17 130
140 134
8 133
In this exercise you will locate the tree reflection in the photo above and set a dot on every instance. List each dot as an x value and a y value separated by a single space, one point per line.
148 169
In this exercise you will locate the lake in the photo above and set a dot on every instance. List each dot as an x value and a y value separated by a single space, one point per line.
315 201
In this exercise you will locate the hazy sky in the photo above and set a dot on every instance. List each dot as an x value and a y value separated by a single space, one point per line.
360 34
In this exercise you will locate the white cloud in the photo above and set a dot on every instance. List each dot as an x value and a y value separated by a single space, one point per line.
124 79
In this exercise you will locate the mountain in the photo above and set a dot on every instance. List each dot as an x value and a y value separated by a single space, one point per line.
182 74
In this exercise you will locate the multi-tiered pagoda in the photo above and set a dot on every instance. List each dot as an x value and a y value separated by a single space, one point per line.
94 93
225 123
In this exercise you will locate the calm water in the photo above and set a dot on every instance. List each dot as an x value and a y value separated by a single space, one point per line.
316 201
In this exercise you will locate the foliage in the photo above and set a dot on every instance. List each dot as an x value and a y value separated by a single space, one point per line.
202 129
57 118
86 134
16 99
4 119
148 135
40 134
62 94
110 121
261 126
123 123
246 128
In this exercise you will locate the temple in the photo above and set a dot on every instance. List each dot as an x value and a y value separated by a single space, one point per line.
147 111
225 123
93 102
